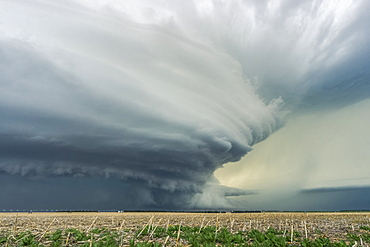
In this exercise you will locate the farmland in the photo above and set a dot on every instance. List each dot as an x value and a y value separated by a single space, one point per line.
184 229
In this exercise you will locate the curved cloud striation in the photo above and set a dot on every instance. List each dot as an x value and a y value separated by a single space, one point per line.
160 94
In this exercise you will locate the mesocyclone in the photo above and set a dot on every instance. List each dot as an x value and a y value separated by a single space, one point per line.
161 93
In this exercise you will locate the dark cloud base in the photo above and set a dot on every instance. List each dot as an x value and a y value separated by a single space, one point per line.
64 193
96 193
329 199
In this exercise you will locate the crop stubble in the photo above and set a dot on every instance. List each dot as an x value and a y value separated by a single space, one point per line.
332 225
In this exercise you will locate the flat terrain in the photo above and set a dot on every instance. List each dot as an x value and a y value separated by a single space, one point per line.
332 225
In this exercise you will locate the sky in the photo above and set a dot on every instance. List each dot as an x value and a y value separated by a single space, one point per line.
180 105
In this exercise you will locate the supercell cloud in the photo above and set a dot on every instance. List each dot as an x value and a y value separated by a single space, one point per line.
154 96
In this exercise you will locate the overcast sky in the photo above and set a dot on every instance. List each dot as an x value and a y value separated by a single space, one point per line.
140 104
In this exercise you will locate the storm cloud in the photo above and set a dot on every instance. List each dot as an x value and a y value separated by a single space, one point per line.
154 96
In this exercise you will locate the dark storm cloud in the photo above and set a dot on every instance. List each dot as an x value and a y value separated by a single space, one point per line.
88 96
334 199
65 193
159 94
